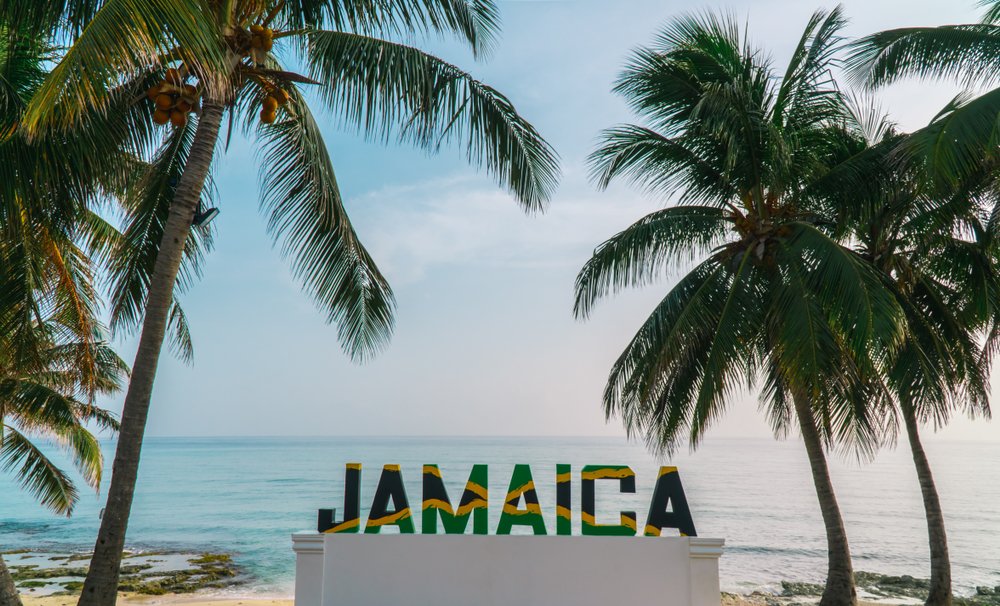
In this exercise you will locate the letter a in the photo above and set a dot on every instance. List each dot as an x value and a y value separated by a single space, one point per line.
390 486
669 492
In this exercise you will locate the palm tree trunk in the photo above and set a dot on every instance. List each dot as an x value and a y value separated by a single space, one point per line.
840 590
940 590
101 585
8 592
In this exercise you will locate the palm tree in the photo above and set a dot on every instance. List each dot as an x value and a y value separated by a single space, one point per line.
968 128
49 401
937 251
200 61
53 359
774 300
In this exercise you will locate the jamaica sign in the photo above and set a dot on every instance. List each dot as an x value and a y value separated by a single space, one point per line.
390 506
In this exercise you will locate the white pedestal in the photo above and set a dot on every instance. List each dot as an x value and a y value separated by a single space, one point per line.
461 570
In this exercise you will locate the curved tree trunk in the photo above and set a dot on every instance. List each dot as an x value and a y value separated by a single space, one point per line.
8 592
101 585
840 590
940 591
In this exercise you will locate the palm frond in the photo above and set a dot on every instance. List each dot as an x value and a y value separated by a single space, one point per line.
967 53
807 94
300 196
383 88
106 53
661 165
992 14
475 21
666 82
85 451
959 140
102 418
642 252
677 374
35 472
859 304
40 17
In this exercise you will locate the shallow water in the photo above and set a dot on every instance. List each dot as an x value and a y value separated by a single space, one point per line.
247 495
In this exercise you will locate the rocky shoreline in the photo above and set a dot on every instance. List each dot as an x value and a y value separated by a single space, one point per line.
143 573
873 588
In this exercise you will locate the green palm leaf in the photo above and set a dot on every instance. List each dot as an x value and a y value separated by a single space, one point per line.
36 473
642 253
476 21
105 53
300 196
969 53
383 88
959 140
661 165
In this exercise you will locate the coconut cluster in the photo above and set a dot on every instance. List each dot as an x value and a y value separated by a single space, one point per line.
261 42
269 109
261 38
173 99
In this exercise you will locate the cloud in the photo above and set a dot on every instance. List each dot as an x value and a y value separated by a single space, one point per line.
457 221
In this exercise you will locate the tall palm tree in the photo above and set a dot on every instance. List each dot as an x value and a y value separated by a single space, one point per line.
201 61
937 251
968 128
774 300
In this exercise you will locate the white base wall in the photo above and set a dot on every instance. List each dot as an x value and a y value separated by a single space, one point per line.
471 570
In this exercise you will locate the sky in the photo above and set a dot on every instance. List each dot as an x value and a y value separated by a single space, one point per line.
485 340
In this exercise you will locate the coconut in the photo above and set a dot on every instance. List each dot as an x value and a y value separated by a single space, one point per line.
164 101
178 118
183 106
270 104
153 91
268 117
256 29
281 95
190 91
161 116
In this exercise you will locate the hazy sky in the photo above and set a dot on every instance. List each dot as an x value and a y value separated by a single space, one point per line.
485 340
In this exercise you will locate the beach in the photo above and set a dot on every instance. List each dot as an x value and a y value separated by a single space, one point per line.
161 600
195 600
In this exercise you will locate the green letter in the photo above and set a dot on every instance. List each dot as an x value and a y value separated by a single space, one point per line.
521 483
474 500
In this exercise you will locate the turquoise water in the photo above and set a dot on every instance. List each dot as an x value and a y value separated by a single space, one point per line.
247 495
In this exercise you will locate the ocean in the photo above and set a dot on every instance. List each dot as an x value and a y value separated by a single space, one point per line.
246 496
